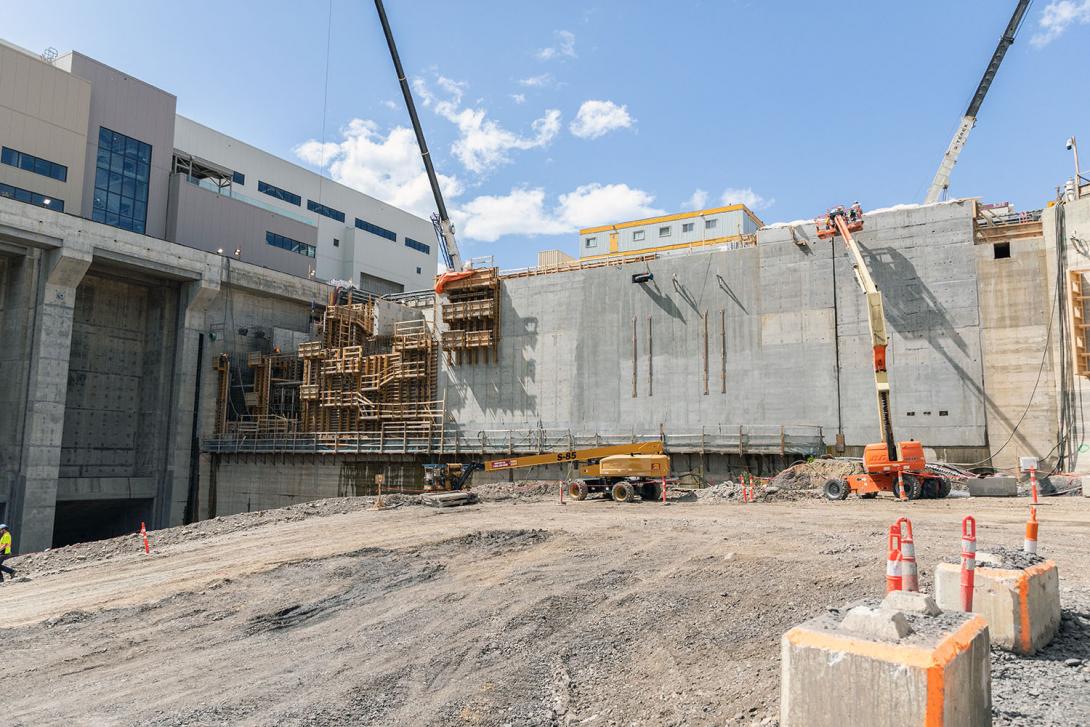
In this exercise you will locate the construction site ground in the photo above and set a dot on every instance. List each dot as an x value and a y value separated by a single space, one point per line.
517 611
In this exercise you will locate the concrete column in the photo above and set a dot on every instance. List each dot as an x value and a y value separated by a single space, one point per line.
194 299
47 389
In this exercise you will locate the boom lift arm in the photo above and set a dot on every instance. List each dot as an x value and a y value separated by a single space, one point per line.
459 475
942 177
444 228
844 222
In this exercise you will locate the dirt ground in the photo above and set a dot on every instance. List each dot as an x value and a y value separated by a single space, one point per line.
517 611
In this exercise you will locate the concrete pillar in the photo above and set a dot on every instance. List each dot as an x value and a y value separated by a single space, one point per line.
192 325
35 495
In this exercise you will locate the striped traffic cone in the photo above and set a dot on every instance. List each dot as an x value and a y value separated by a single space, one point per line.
893 560
909 573
968 562
1030 544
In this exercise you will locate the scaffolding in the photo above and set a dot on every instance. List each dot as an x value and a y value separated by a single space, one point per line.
470 310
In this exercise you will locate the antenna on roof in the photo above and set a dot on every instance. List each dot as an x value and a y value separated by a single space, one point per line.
49 54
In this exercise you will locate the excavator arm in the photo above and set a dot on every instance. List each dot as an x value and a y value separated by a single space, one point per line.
843 223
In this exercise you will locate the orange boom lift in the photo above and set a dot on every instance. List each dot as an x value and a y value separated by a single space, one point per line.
887 463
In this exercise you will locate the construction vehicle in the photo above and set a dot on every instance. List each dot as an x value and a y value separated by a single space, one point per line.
889 465
620 472
444 228
941 181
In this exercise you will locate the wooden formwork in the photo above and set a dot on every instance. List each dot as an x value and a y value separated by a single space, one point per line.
470 308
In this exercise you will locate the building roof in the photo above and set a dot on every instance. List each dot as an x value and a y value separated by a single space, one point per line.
671 218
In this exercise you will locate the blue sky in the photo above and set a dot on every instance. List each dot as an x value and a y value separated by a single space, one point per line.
547 116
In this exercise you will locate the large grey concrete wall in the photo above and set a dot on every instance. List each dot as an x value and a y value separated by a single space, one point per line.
566 350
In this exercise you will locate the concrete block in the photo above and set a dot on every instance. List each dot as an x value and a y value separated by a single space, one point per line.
993 487
911 602
879 624
939 674
1021 606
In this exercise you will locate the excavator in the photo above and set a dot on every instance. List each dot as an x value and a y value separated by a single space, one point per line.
889 465
620 472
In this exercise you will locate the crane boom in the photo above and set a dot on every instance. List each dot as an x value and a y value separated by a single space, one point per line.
942 177
839 221
444 228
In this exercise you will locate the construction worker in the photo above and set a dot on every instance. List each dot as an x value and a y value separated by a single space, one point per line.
5 552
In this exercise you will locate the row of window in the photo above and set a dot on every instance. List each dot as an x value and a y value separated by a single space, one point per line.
664 231
34 164
286 243
324 210
281 194
419 246
376 230
122 171
25 195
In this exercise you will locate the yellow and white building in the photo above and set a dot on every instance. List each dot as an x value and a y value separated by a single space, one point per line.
699 228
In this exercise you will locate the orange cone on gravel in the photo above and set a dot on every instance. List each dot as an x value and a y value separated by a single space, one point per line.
1030 544
910 577
893 559
968 562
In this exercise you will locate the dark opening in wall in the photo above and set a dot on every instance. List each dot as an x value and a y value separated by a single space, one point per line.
1001 250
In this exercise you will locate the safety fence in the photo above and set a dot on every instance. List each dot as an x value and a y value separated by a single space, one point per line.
796 440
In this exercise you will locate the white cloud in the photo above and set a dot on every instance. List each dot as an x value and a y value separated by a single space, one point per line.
483 144
698 201
747 197
524 211
596 118
545 79
564 47
387 167
1056 17
390 105
519 98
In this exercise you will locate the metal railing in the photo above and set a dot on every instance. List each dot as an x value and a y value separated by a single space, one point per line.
424 438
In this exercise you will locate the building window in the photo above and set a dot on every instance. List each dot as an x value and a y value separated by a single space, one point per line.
323 210
592 242
637 235
1001 250
710 224
122 171
376 230
418 270
34 164
665 231
24 195
286 243
426 249
281 194
238 177
336 242
687 227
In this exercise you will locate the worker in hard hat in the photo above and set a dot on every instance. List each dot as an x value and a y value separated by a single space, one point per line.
5 552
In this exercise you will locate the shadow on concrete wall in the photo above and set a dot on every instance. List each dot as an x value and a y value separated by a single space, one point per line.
922 316
498 391
662 300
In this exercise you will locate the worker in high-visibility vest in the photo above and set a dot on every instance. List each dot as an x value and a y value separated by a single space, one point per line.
5 552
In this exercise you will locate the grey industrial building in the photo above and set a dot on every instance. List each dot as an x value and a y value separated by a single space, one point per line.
86 139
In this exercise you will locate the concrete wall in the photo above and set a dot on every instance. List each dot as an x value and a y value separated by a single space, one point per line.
209 221
129 106
44 112
566 347
109 348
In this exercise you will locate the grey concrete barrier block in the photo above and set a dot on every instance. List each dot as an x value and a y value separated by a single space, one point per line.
939 674
1022 607
993 487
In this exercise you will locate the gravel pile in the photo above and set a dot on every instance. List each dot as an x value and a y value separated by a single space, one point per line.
519 491
813 474
56 560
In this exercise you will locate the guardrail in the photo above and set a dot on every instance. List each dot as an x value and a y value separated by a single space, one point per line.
799 440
